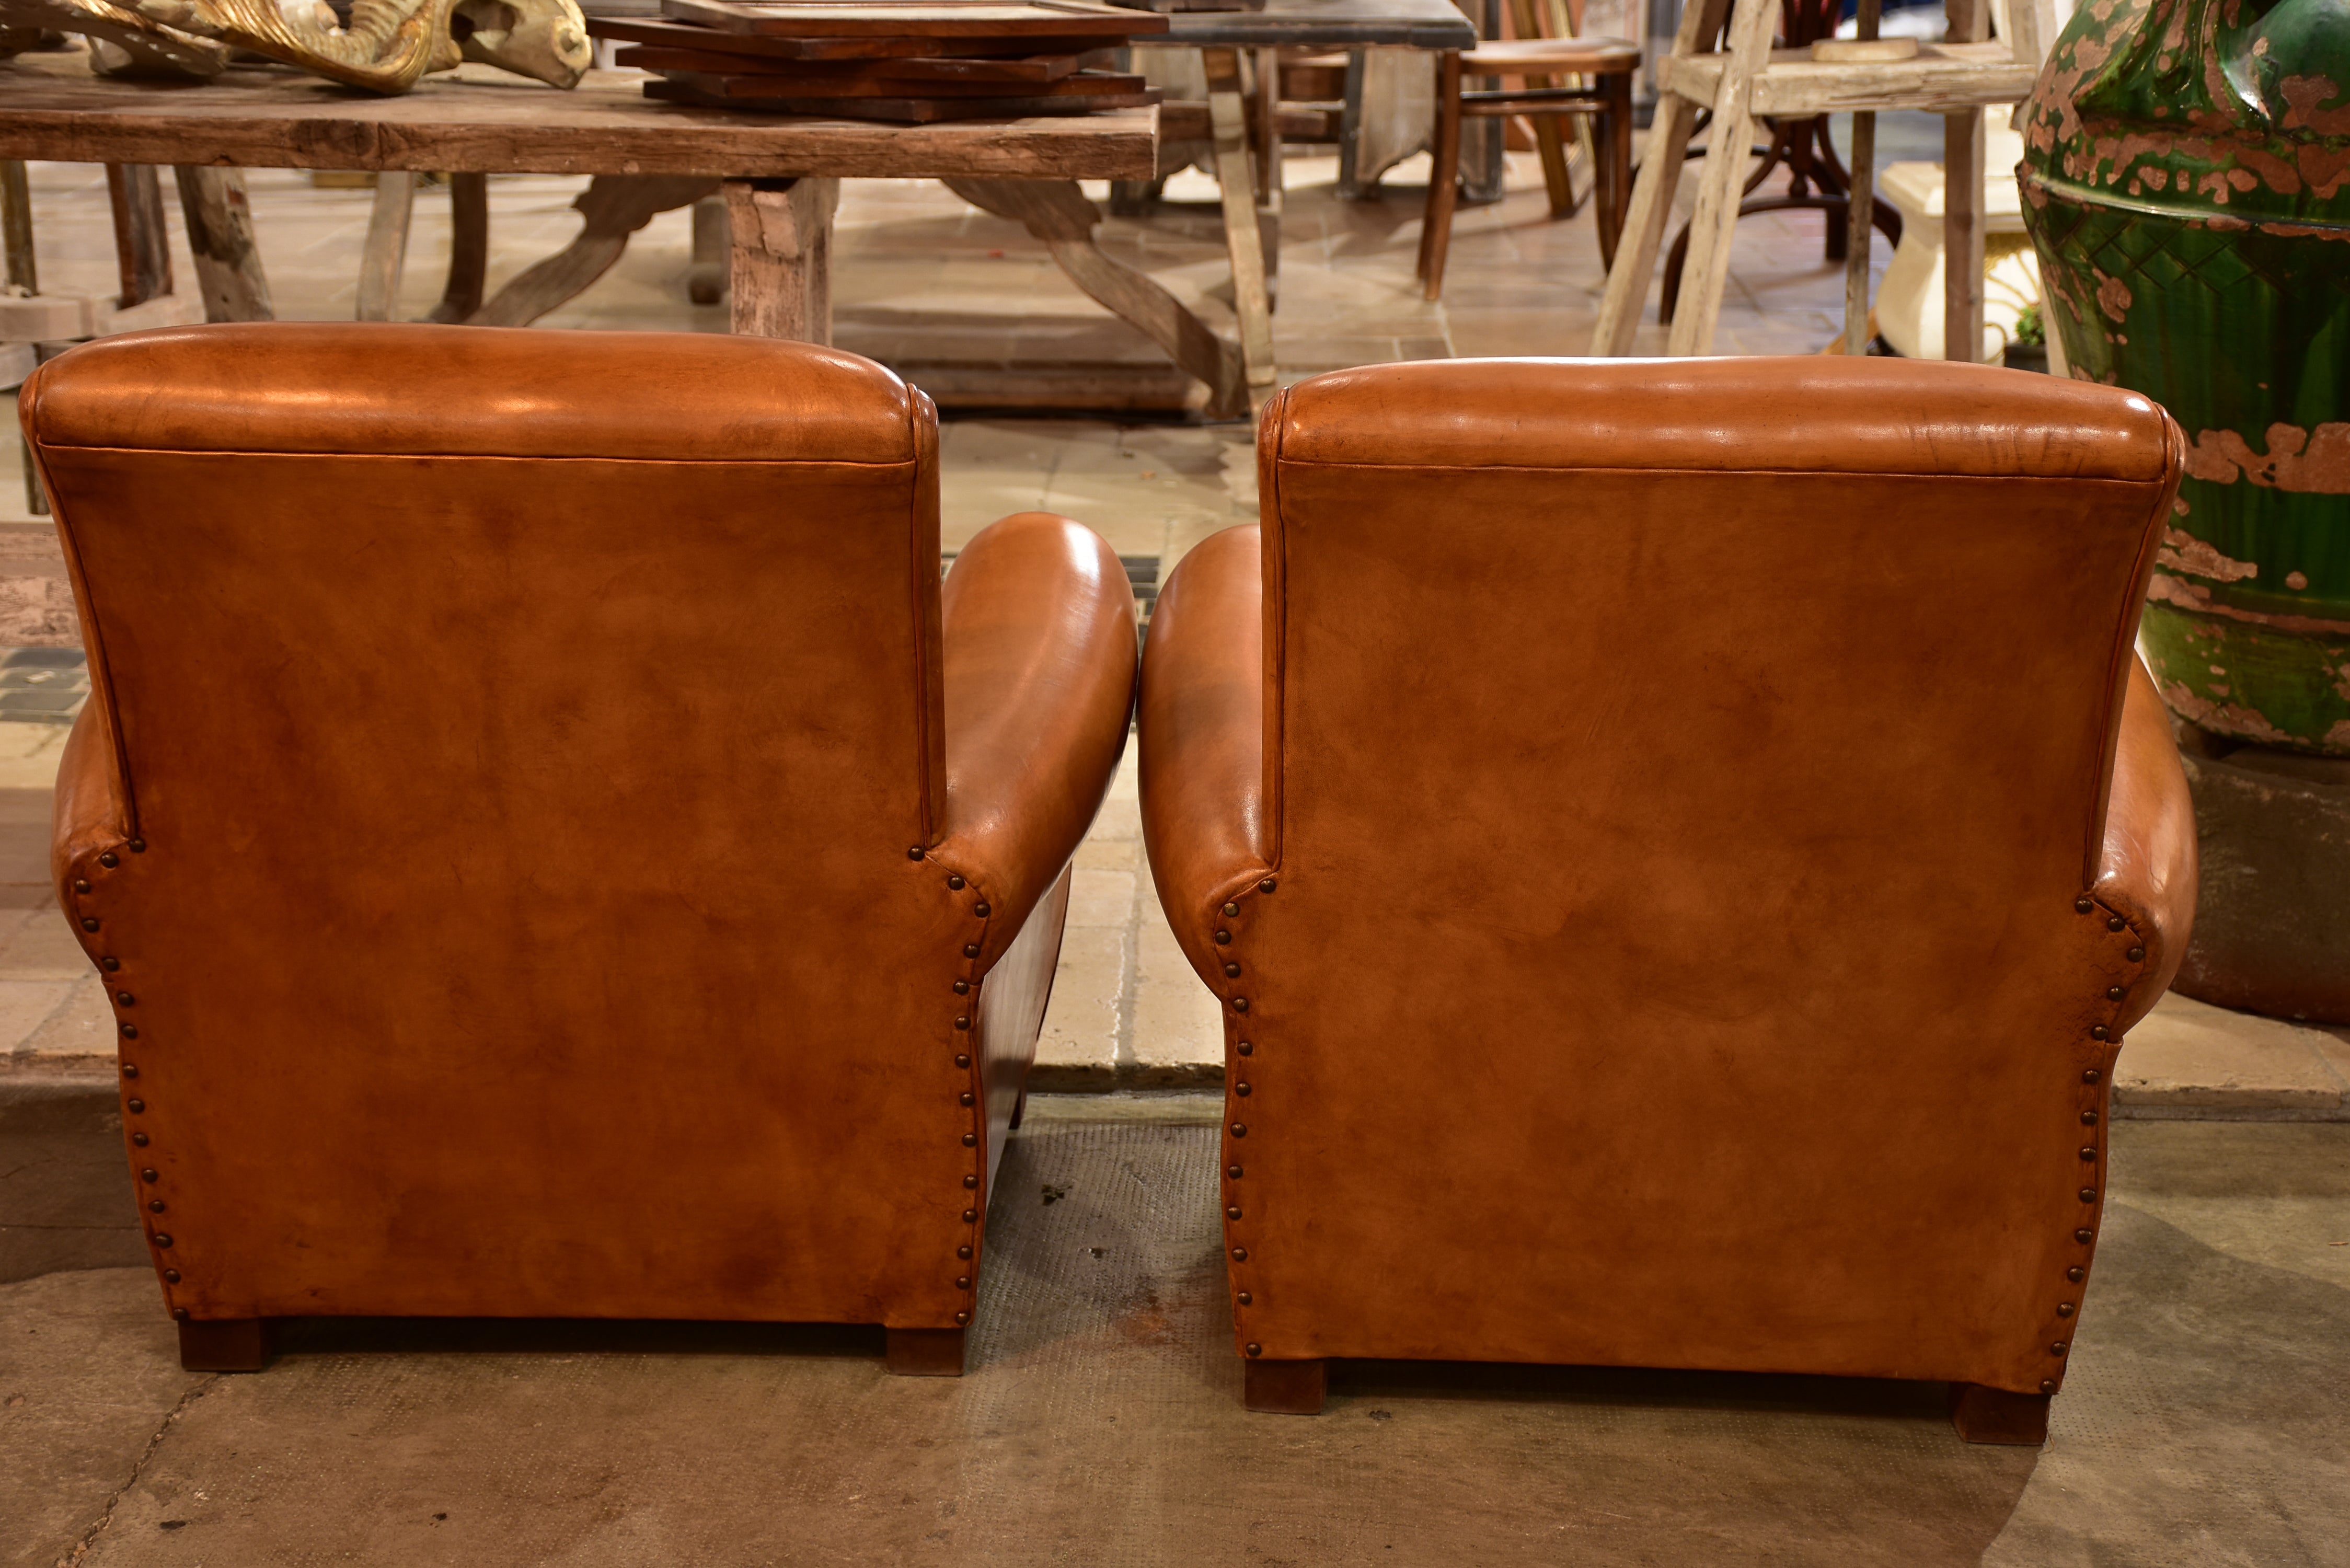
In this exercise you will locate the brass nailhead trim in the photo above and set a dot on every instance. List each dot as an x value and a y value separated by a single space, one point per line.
1234 1171
1232 1213
2085 1237
971 1140
2138 955
110 860
971 950
2084 905
963 1251
1224 936
2088 1118
2091 1076
914 852
162 1240
138 1107
1242 1090
1232 972
149 1174
139 1138
129 1070
2099 1032
961 1318
138 847
154 1206
109 964
966 1097
2048 1385
969 1183
2058 1348
80 885
2064 1309
2116 924
1240 1254
962 1020
1246 1299
89 922
963 1282
962 988
955 882
2075 1273
1240 1004
1239 1129
2089 1152
969 1215
982 910
172 1276
125 998
961 1060
2088 1195
1247 1049
1230 909
130 1031
2115 993
178 1314
1256 1350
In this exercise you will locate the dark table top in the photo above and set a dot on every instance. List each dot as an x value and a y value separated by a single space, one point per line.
1323 24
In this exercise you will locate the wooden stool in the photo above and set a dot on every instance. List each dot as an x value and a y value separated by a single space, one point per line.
1610 63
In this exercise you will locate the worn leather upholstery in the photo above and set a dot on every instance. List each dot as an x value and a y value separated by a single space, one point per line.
1649 826
520 788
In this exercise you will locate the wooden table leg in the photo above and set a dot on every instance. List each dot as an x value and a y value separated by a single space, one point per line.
385 254
780 273
705 280
219 216
1227 117
613 207
16 227
1962 236
1712 225
1660 180
469 248
142 246
1057 212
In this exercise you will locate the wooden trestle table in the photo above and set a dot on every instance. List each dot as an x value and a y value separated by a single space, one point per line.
780 176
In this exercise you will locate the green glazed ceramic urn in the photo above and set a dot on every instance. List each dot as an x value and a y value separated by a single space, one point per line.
2186 181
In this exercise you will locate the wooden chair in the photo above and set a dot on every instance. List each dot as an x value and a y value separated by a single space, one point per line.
1608 64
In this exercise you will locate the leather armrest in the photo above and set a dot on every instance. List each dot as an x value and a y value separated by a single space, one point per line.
2147 871
1038 662
1202 737
92 813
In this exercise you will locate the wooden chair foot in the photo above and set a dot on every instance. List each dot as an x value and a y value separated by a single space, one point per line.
225 1344
925 1352
1019 1110
1995 1416
1285 1387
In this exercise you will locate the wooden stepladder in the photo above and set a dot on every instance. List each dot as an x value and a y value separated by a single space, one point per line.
1746 80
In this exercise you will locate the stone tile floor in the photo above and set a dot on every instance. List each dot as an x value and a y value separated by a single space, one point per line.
921 277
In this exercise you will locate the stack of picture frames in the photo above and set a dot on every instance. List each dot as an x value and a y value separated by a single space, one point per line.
910 61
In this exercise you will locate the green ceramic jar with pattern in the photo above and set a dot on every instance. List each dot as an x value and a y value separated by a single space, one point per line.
2187 182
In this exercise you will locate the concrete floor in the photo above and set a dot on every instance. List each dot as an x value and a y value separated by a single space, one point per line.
2205 1421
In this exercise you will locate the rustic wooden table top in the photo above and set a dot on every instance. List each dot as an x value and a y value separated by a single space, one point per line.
477 120
1323 24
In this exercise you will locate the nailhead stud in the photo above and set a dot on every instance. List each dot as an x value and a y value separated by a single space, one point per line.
915 853
2089 1152
961 1060
2048 1385
971 1140
138 847
982 910
2084 905
110 860
1240 1004
1240 1254
2088 1118
1246 1049
1224 936
966 1097
80 885
139 1138
1256 1350
1232 972
89 922
1242 1090
2075 1273
1268 886
2115 993
2138 955
2058 1348
2085 1237
1230 909
955 882
125 998
154 1206
149 1174
962 988
129 1070
969 1183
1246 1299
962 1252
137 1107
2091 1076
962 1020
1234 1171
2099 1032
162 1240
963 1282
1239 1129
172 1276
971 950
969 1216
109 964
961 1319
2116 924
130 1031
178 1314
2088 1195
2064 1309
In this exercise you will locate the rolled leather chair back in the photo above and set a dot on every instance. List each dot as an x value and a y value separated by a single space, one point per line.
495 808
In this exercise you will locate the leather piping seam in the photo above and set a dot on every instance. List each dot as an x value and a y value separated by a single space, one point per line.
875 463
2125 650
94 655
1661 470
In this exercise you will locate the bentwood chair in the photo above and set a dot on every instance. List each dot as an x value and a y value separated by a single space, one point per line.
555 848
1678 846
1607 65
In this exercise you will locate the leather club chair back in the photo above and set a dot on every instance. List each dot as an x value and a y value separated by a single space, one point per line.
504 755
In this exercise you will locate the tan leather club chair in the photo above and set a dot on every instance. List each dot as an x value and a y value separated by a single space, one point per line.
1679 845
555 848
